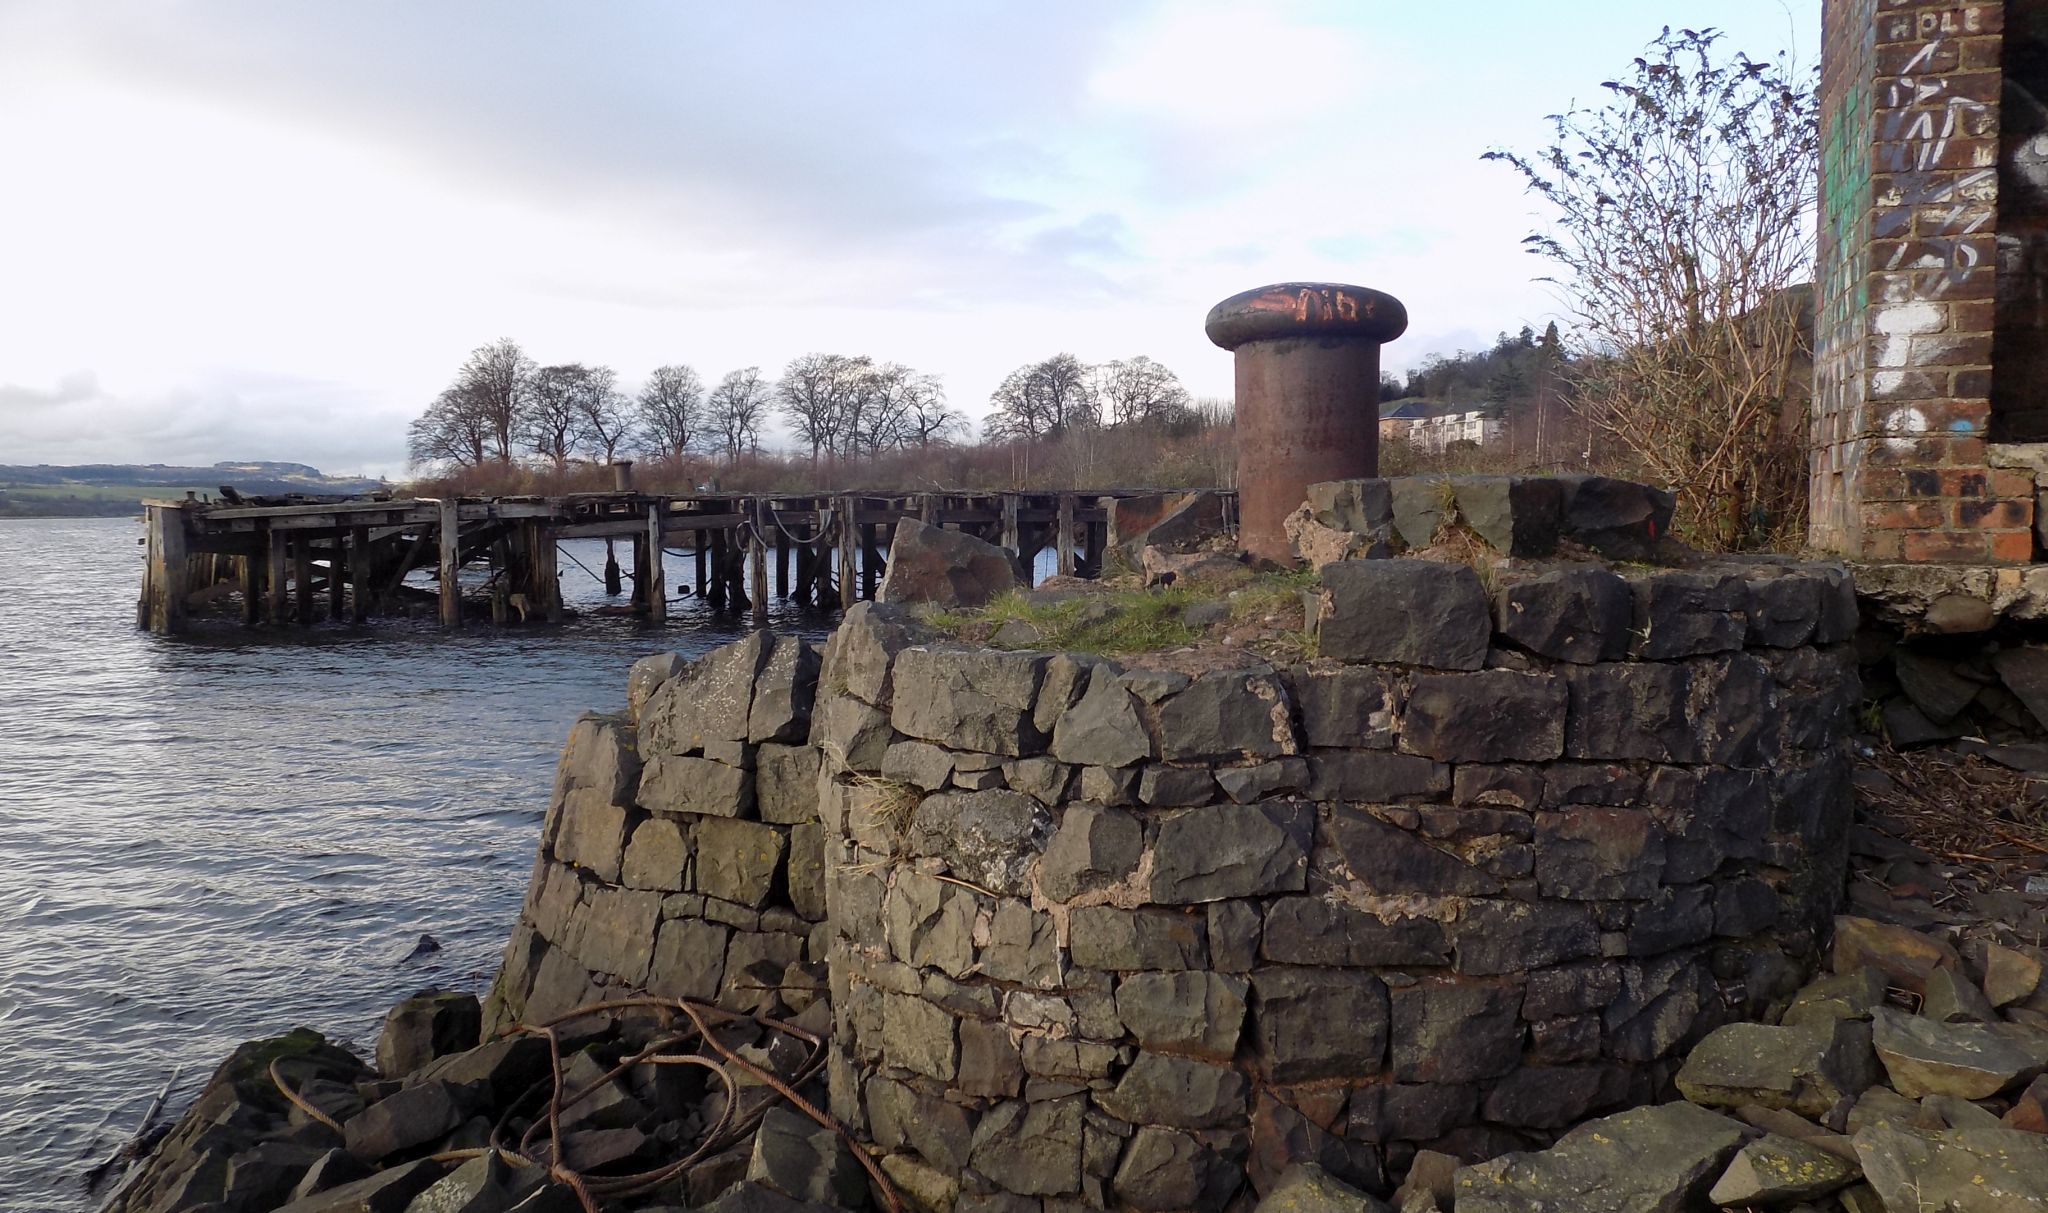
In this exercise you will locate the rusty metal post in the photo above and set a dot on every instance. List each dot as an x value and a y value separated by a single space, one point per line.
622 475
1308 389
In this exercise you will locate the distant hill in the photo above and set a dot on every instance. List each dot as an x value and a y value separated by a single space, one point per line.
112 489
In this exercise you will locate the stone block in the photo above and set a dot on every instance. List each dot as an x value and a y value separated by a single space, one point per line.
1169 787
430 1024
1228 851
1414 612
1371 777
849 733
1104 937
1409 1112
1228 715
969 699
647 676
1517 515
1022 946
930 923
738 861
1102 728
990 839
1804 1068
410 1117
1316 931
1313 1024
1177 1091
857 658
1784 607
805 1161
601 756
1031 1149
1362 506
1191 1013
612 931
1092 849
919 1036
1455 1031
1619 519
1163 1169
1580 615
657 857
590 832
707 701
1043 779
1590 854
990 1065
786 784
783 693
1390 861
699 786
1651 1159
1234 931
1686 613
806 871
1349 707
1490 716
1421 507
1630 711
1493 937
1244 785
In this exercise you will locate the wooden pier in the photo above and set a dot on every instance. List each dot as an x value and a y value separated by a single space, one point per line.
296 564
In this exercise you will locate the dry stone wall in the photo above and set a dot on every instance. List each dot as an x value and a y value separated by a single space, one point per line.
1123 937
1126 938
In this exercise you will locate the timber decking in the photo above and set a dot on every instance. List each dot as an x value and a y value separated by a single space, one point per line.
361 552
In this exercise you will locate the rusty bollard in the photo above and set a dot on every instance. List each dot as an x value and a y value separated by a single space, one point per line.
1308 390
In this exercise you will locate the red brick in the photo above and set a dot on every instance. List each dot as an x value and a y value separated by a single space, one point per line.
2005 482
1906 515
1883 545
1936 546
2012 547
1995 515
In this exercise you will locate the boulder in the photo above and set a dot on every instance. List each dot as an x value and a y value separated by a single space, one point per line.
430 1024
1957 1171
1905 957
804 1160
1804 1068
387 1191
1646 1160
1969 1061
1774 1170
1175 522
945 568
1307 1188
413 1116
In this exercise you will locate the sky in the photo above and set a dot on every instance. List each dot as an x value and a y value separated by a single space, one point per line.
250 229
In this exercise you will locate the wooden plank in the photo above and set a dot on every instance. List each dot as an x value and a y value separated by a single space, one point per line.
451 562
1013 540
657 583
274 584
1063 536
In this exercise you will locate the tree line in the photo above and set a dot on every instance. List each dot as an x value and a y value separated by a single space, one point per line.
502 408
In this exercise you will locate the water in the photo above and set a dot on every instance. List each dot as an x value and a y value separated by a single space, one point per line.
219 837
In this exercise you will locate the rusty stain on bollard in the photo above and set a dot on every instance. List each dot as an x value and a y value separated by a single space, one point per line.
1308 390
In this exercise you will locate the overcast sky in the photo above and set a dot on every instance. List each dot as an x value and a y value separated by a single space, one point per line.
271 230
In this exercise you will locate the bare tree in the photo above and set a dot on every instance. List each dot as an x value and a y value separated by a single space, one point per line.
492 381
552 420
671 408
609 421
927 417
452 430
735 410
822 399
1683 220
1140 392
1043 400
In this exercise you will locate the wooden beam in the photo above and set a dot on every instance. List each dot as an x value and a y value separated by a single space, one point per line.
274 584
451 564
657 582
165 575
1013 539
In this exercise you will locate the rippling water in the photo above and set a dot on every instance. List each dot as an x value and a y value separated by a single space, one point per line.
218 837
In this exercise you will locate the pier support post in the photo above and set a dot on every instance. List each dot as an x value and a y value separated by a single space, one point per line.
451 563
613 586
337 601
849 553
165 584
274 584
657 583
360 574
781 556
302 581
870 560
249 569
757 567
1063 536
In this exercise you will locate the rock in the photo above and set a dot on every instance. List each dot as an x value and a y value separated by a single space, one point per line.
1314 1024
858 656
2029 1112
2024 671
1349 707
1951 998
1576 615
1421 506
2009 976
1686 613
1904 957
1490 716
702 786
1647 1160
1968 1061
947 568
656 856
507 1066
1031 1149
1774 1170
1211 569
1619 519
1228 715
1933 685
1784 608
1363 506
1806 1068
1102 728
1431 1175
1315 931
1317 545
850 733
988 838
783 693
1176 1091
1515 515
1164 1170
970 700
1219 852
737 861
753 1198
646 677
1247 784
1307 1188
1416 612
1634 710
804 1160
1198 1014
410 1117
1172 521
1104 937
428 1025
1959 1171
1392 861
335 1168
1375 778
387 1191
1454 1031
707 702
1832 996
1092 849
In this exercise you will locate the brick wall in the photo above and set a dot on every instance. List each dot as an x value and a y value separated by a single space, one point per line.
1910 196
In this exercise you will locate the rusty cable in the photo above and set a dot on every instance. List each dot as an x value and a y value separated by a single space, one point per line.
298 1101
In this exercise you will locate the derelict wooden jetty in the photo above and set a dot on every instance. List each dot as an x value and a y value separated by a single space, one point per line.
298 562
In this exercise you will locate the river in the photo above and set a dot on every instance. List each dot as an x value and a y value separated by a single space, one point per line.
218 837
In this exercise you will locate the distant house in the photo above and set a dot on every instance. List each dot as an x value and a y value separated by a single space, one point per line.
1432 426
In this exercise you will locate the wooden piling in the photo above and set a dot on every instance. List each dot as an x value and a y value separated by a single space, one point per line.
249 570
337 601
360 574
1063 536
870 560
274 584
698 544
657 582
757 567
302 580
781 555
451 562
165 578
849 552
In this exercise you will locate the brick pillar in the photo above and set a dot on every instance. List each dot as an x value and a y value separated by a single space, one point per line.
1909 208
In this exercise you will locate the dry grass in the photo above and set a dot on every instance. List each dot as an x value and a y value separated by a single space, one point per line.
1961 808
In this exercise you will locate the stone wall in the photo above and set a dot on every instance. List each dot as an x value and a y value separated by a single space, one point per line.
681 853
1131 938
